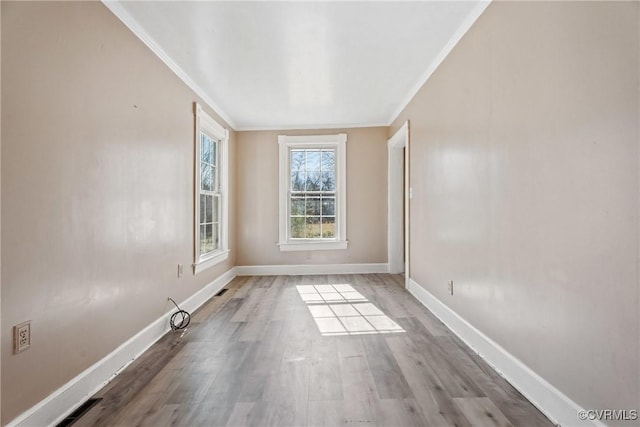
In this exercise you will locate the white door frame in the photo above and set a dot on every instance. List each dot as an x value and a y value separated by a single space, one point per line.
398 143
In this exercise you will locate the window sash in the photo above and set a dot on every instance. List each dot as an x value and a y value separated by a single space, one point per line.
209 223
304 217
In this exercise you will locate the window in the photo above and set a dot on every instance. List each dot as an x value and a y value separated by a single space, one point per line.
211 204
312 192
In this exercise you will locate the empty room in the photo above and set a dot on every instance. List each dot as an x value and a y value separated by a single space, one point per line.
301 213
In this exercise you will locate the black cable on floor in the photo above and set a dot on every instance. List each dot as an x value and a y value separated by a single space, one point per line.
183 316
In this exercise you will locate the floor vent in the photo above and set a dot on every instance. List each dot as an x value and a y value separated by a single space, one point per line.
78 413
221 292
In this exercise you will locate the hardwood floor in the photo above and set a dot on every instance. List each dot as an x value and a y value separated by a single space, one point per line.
292 351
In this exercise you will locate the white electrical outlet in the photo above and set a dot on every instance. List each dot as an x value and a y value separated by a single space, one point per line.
180 270
451 287
22 336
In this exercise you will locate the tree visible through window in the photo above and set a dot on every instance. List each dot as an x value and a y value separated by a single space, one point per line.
313 193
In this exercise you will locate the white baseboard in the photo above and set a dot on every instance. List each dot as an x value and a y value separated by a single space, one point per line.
67 398
558 407
307 269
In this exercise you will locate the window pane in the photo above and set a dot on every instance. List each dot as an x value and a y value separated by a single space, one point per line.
328 206
297 160
313 206
203 209
313 181
214 153
297 180
328 227
205 177
313 160
328 181
215 244
328 160
208 208
215 208
297 228
297 206
208 240
203 240
313 227
214 178
206 148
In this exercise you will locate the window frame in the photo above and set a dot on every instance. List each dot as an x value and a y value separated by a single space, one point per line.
204 123
286 144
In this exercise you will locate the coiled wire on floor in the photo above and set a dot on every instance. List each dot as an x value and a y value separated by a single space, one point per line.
182 316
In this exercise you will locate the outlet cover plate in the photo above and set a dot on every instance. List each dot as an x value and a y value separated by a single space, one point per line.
22 336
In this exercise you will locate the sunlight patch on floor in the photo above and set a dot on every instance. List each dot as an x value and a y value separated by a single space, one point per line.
341 310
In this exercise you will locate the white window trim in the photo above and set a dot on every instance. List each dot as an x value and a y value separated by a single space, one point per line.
338 142
205 123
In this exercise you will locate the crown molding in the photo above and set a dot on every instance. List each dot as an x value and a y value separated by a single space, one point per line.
121 13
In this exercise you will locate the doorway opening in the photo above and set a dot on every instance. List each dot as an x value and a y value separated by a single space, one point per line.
398 202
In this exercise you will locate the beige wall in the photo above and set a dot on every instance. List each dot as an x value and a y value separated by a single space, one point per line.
257 177
525 180
97 189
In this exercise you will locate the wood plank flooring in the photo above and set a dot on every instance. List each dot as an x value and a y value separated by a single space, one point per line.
293 351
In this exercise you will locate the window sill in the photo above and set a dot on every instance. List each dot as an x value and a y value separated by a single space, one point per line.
310 245
215 258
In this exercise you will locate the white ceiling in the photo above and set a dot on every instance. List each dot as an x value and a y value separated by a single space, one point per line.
296 65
